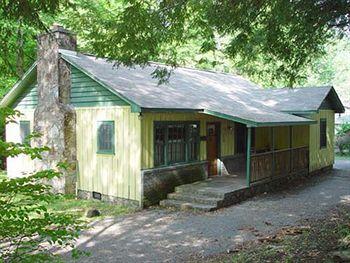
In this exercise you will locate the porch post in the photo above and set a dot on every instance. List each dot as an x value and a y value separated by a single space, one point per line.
249 142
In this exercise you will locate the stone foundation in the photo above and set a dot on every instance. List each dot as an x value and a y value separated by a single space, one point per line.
82 194
276 184
157 183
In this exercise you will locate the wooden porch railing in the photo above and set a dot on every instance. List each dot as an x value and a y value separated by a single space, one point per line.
269 165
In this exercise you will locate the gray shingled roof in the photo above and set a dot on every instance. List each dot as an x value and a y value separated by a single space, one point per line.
225 95
300 99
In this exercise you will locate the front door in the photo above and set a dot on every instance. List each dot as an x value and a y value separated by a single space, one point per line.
240 138
213 130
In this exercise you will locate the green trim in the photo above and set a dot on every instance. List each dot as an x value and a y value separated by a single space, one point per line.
301 112
249 140
256 124
170 110
229 117
111 151
134 106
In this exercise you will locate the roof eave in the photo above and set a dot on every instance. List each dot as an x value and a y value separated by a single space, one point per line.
339 104
19 86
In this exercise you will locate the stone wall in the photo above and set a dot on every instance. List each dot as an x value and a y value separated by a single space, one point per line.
54 118
157 183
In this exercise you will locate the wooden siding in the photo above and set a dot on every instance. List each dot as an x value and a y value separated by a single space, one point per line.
28 98
20 165
147 137
116 174
263 137
320 158
300 136
85 92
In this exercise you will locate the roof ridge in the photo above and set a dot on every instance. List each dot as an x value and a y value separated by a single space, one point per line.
179 67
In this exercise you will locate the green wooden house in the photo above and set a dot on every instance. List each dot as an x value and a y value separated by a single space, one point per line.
133 141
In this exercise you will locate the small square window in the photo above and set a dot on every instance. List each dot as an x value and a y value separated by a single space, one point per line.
105 137
24 127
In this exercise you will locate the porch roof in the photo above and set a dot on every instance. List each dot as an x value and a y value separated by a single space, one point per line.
224 95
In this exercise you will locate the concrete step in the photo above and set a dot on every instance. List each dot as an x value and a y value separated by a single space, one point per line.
194 190
183 205
194 198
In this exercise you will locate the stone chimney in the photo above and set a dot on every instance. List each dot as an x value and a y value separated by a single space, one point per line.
54 118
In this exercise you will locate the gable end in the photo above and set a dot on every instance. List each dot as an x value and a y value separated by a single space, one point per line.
28 98
86 92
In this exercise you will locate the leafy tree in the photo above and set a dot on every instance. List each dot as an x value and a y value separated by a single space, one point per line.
273 40
27 229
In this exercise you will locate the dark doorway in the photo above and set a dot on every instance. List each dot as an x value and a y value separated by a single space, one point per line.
240 138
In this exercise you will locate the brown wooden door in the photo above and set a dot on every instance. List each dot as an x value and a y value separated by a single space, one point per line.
212 148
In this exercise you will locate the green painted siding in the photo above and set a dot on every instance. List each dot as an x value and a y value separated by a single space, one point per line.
28 98
85 92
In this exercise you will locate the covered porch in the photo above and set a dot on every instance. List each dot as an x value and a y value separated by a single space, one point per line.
266 153
274 152
265 158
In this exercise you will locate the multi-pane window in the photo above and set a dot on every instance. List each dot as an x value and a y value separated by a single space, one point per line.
193 142
175 142
24 127
159 145
323 133
105 137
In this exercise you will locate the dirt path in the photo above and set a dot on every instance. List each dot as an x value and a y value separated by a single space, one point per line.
167 236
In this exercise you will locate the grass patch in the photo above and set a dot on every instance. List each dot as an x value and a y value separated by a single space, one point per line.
79 207
315 242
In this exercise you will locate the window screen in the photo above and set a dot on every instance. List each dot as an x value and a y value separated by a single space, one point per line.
105 137
24 127
323 133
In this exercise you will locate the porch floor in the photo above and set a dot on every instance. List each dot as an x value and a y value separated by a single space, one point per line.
220 184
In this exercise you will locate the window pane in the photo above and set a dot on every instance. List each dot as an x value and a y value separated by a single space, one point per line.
159 145
176 143
193 142
323 133
106 137
24 127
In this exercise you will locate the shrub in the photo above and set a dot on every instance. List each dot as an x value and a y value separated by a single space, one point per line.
28 231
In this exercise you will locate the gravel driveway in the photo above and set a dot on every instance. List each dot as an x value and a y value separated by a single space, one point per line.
166 236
